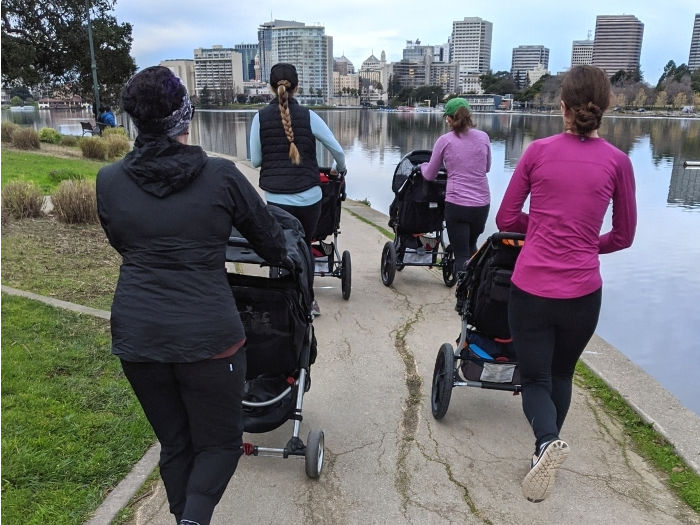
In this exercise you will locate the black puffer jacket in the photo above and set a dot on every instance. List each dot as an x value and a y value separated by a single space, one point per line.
168 210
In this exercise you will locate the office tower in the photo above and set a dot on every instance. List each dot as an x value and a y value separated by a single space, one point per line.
248 52
526 59
470 46
343 66
220 70
184 69
581 52
617 44
694 59
307 47
415 52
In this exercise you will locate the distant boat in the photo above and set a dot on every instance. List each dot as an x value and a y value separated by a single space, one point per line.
22 108
406 108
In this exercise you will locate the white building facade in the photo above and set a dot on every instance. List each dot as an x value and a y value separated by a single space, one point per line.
470 47
218 72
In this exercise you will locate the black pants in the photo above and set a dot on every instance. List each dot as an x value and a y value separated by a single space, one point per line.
195 411
549 336
308 217
464 225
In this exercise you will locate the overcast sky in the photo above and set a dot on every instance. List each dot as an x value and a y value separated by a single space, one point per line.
168 29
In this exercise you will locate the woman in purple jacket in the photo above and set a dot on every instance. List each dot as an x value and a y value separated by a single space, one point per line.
556 285
466 154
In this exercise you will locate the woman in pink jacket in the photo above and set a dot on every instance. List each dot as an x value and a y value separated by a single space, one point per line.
570 178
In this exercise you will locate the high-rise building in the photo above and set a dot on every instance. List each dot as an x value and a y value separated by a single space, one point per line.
307 47
248 52
617 44
184 70
694 59
414 51
343 65
581 52
220 70
470 47
526 59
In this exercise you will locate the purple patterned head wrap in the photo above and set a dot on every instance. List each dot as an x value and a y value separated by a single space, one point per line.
178 122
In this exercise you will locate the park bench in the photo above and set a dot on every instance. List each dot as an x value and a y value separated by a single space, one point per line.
87 127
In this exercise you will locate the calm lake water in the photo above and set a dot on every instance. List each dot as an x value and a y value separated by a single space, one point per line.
651 291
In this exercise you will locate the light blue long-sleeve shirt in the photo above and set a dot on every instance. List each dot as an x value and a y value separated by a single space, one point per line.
324 135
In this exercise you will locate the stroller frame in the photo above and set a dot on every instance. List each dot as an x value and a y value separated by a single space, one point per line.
450 364
429 247
240 251
338 265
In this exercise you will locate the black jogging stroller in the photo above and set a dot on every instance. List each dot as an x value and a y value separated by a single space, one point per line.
417 217
484 357
328 260
280 343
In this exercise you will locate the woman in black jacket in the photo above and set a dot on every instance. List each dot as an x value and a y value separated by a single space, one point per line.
168 209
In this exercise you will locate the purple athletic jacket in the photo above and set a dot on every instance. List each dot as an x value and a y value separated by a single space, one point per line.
467 159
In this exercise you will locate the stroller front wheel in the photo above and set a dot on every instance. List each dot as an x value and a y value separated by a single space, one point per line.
388 268
443 381
313 456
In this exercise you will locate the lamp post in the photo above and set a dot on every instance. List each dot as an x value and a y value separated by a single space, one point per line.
93 64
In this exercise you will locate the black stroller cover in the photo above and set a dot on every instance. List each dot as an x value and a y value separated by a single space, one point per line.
275 312
419 204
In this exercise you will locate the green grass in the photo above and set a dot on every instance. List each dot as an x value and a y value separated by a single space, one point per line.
70 262
71 427
647 442
36 167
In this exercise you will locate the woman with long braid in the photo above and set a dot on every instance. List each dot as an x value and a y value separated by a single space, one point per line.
283 144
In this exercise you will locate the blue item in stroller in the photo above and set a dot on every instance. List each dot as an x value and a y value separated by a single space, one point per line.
280 343
485 357
417 217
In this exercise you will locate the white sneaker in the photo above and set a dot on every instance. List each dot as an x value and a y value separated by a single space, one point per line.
315 309
543 470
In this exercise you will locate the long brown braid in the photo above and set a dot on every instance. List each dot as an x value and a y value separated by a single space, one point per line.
283 102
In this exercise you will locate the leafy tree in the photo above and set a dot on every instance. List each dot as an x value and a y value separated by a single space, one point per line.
433 93
47 43
680 100
205 96
500 83
661 99
21 92
695 80
16 101
641 98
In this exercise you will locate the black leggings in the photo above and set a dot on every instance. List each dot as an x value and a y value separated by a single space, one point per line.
464 225
308 217
549 336
195 410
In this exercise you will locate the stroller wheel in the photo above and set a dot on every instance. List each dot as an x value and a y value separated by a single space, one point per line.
448 267
443 381
346 275
388 263
314 454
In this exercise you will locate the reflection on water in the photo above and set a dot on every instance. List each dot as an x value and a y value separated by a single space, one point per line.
651 291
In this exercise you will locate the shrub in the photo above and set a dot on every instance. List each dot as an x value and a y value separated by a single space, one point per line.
117 145
69 140
74 202
60 175
49 135
8 129
94 148
25 138
119 131
21 200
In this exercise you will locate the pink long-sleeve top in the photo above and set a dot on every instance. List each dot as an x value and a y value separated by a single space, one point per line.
570 183
467 159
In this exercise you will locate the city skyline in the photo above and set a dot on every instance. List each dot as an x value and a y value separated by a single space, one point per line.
171 30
